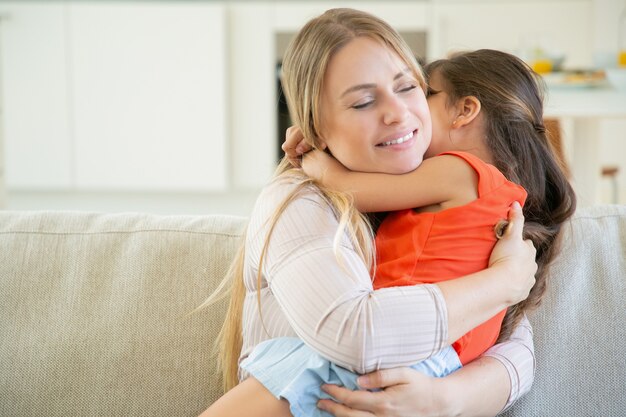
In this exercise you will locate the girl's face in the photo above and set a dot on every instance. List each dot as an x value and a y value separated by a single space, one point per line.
442 116
374 113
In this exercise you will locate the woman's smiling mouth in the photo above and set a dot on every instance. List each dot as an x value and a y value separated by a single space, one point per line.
398 141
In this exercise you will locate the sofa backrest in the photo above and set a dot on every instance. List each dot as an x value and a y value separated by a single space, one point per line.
95 312
580 327
94 315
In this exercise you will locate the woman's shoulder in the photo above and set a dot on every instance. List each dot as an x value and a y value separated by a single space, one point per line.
287 186
292 192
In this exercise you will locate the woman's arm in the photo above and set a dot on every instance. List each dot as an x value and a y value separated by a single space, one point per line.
323 292
331 305
438 180
517 355
506 372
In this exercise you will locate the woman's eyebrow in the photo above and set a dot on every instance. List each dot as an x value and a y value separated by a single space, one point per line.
358 87
401 74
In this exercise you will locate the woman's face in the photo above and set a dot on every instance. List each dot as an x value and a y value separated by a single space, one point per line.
374 113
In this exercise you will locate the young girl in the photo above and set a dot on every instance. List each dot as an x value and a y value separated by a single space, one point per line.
486 108
308 278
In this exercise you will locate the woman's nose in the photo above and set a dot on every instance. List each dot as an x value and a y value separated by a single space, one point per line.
394 110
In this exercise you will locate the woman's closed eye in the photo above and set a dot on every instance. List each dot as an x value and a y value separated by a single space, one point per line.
362 104
365 102
369 101
405 88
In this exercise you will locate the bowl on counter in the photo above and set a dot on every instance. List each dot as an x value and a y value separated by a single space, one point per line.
576 79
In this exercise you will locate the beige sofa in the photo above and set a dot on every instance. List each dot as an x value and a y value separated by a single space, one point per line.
96 315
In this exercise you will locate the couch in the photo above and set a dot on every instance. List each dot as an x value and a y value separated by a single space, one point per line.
98 315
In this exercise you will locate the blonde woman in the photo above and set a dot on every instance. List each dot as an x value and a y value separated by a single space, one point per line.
304 268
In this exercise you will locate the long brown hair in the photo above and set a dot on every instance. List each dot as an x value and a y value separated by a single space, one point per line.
303 70
511 96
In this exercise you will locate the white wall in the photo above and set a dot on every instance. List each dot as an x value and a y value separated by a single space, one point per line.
239 198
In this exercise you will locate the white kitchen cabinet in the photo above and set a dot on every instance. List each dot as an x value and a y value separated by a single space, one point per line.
37 142
253 94
148 95
565 25
123 96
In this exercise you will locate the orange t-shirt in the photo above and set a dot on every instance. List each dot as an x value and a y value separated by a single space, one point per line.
415 248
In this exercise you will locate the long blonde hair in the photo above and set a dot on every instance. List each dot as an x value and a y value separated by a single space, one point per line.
303 70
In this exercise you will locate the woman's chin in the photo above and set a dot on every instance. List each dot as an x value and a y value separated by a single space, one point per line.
409 166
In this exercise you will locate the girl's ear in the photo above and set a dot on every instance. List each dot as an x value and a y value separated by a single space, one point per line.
468 110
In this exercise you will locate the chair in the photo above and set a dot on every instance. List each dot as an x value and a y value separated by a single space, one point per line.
553 131
611 172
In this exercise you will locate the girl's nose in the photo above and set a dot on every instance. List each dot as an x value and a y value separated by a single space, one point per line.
394 110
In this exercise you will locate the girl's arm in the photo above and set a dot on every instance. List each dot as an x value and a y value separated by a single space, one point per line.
506 372
439 180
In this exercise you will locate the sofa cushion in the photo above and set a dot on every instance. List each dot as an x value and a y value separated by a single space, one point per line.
95 312
580 326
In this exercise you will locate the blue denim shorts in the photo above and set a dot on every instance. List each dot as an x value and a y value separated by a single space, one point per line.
291 370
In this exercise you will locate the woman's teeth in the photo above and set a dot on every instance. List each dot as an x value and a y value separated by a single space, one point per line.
399 140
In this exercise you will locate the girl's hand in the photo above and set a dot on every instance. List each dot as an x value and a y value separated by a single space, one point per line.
321 166
516 257
403 392
294 145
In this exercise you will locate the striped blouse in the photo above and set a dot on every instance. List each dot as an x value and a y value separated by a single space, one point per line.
307 291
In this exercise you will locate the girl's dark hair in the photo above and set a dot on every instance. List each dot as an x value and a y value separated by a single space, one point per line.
511 97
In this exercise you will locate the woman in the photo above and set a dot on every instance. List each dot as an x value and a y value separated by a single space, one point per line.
308 252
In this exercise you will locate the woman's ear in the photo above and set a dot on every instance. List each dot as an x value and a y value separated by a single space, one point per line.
468 110
321 144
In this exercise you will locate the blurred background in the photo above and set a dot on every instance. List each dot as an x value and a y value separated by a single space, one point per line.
174 107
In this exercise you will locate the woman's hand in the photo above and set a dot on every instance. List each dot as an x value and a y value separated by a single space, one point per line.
403 392
294 145
516 257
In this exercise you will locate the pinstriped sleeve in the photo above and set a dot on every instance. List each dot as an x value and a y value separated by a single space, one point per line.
517 354
324 292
